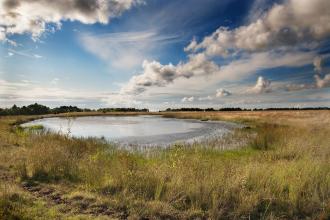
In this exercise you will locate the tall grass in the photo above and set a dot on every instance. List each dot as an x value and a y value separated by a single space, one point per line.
282 172
267 135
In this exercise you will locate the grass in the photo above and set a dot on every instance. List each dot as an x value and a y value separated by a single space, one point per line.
16 204
35 127
280 171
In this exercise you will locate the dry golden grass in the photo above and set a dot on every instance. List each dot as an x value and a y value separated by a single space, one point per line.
283 172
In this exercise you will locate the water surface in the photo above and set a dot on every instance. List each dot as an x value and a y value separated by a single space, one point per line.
141 130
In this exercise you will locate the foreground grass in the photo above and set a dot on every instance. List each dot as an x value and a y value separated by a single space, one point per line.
281 172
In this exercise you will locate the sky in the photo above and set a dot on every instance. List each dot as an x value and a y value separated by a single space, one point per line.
161 54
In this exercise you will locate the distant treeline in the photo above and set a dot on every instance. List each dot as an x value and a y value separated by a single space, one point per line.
241 109
37 109
122 110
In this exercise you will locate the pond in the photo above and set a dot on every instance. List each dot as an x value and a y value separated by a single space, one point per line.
136 130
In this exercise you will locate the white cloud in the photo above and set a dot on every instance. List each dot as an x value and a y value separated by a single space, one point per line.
197 65
293 23
54 81
298 87
318 64
37 56
37 16
222 93
258 9
191 46
262 86
282 26
235 71
319 81
199 74
120 100
322 82
2 34
125 50
29 91
188 99
155 74
24 53
206 98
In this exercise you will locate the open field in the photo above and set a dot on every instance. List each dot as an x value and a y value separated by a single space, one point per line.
281 171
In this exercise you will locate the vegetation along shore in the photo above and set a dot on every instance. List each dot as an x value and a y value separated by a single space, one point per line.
279 171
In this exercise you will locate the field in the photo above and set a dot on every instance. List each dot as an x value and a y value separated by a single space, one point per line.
277 167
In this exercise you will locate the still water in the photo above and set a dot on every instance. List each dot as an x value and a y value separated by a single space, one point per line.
142 130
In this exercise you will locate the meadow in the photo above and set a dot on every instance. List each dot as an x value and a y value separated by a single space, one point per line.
277 167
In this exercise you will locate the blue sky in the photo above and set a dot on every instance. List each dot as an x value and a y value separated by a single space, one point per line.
165 53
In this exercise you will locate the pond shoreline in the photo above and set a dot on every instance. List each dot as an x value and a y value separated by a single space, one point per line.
197 131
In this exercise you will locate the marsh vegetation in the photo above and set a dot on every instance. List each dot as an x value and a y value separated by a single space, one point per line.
279 170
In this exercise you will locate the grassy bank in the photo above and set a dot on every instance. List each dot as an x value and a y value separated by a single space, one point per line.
282 171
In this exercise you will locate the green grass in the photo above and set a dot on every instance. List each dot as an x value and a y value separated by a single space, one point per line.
35 127
282 171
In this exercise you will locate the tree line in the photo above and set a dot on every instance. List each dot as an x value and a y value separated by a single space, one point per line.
37 109
122 110
240 109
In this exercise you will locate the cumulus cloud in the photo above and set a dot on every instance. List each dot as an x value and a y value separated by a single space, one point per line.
188 99
294 22
262 86
222 93
193 44
201 73
37 16
155 74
